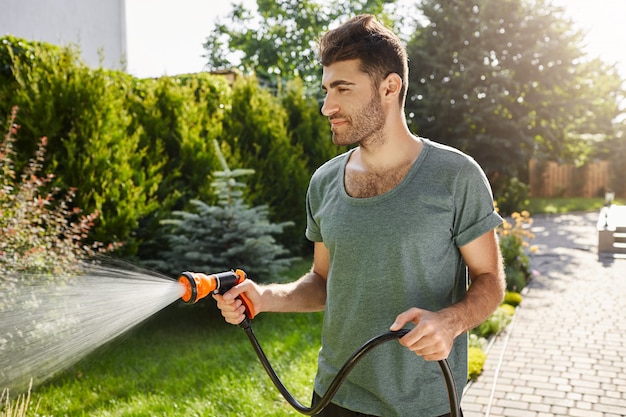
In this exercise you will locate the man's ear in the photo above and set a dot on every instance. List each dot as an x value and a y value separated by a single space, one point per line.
391 86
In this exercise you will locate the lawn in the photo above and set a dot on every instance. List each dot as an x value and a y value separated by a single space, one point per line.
566 205
186 362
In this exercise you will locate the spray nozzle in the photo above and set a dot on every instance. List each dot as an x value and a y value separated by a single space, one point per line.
198 285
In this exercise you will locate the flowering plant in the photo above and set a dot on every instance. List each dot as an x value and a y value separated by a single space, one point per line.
515 237
39 232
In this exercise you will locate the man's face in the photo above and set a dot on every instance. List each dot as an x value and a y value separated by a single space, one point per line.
352 106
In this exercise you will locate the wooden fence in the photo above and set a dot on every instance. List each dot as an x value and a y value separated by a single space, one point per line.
551 179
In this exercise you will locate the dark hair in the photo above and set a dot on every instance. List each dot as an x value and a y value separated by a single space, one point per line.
379 49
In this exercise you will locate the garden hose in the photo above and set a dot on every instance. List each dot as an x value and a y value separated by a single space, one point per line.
198 286
344 371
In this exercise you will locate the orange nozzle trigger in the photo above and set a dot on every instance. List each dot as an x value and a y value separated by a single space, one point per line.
241 276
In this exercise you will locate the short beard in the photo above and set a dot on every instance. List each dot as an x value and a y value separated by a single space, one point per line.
365 126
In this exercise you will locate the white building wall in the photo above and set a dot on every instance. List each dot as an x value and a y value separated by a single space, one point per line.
97 27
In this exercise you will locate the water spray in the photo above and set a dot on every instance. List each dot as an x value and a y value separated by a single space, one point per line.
49 322
199 285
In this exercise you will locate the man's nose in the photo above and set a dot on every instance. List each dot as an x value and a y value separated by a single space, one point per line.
329 107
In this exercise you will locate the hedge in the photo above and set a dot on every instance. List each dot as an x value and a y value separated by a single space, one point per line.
138 149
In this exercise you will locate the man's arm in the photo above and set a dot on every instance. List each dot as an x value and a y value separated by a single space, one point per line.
307 294
434 332
488 283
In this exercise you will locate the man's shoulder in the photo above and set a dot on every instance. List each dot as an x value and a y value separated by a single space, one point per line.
446 156
446 151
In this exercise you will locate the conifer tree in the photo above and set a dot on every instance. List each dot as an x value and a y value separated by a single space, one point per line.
228 235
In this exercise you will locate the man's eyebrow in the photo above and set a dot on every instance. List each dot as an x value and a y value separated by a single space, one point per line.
338 83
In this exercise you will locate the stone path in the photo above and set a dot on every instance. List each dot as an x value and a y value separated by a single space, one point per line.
564 354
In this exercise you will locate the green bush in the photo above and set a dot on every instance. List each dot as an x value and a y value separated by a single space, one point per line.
225 236
512 298
40 231
256 134
515 247
83 113
476 362
511 193
138 149
177 119
496 322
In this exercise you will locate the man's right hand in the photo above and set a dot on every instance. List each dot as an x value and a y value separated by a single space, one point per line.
231 306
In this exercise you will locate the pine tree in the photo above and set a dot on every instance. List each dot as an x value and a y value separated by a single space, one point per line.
225 236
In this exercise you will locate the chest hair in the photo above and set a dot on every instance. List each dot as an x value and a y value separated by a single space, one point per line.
361 184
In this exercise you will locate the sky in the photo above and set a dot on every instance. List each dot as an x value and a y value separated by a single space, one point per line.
165 37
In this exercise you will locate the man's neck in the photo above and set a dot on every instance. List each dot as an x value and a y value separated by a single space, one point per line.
392 150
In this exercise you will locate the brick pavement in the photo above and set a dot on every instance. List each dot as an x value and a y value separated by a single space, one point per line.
564 354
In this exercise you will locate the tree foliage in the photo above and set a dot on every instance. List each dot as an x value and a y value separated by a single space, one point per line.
256 136
228 235
277 42
177 118
83 114
306 125
41 231
136 149
506 81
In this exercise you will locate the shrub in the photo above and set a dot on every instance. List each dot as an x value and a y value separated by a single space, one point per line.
225 236
176 117
137 149
476 361
38 233
84 114
514 243
257 137
42 240
496 322
511 193
512 298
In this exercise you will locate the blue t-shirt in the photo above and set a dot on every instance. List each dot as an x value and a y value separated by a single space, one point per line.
389 253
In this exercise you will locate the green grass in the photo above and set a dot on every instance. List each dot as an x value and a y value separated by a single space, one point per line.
565 205
186 362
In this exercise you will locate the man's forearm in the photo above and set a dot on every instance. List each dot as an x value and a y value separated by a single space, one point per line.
482 298
307 294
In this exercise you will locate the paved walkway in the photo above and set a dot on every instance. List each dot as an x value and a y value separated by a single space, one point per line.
564 354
